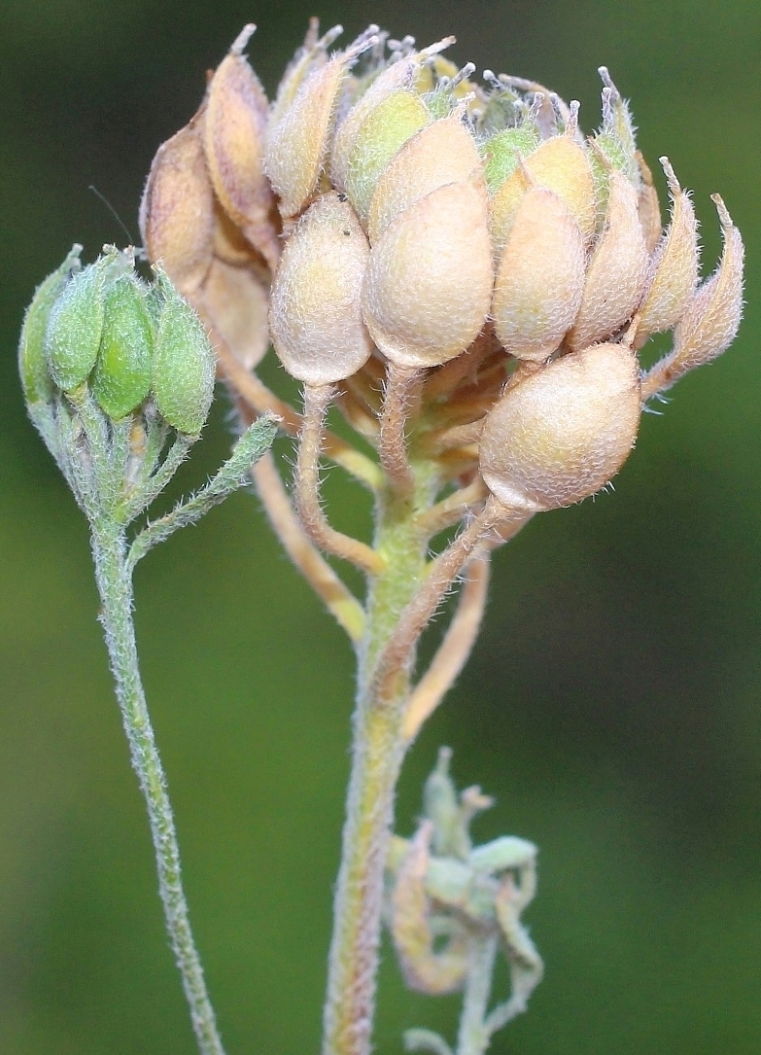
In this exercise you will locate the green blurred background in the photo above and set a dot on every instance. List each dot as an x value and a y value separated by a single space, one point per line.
612 704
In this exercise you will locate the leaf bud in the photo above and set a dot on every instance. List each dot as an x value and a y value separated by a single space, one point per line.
183 363
441 153
35 377
315 307
177 211
428 286
540 277
75 326
617 270
122 376
674 267
710 323
563 432
234 131
383 132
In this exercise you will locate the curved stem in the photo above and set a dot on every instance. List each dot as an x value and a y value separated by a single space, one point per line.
115 588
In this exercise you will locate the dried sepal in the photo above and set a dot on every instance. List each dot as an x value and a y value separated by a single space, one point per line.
428 285
562 432
315 309
234 131
648 206
617 270
540 278
443 152
674 267
711 321
235 300
177 210
310 57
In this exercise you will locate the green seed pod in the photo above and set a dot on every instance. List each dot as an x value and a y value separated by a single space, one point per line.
75 327
563 432
122 376
183 364
35 377
502 153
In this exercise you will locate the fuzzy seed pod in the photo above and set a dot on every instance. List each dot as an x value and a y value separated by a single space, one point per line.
503 153
183 363
177 210
383 132
563 432
617 271
504 204
711 321
441 153
122 376
234 130
428 285
235 301
540 278
674 268
399 75
75 326
315 308
298 143
35 377
307 60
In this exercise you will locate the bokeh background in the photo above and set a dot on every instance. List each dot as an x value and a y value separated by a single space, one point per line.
613 704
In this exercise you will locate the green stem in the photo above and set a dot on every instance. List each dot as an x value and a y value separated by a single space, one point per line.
115 587
379 747
473 1037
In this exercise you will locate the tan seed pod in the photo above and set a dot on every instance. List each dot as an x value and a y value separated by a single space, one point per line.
504 205
648 206
177 210
561 165
540 278
443 152
235 301
309 58
712 319
617 270
563 432
234 131
382 134
399 75
315 308
297 144
674 268
427 290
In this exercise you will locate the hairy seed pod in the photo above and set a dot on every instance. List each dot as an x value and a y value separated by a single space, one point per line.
540 278
441 153
617 270
235 301
177 210
234 131
711 321
75 326
35 376
563 432
503 153
504 204
298 143
122 376
399 75
183 363
383 132
315 307
309 58
428 285
674 267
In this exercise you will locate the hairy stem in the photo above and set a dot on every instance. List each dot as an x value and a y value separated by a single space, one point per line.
115 588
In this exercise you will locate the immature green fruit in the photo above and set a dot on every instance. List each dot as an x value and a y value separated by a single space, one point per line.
315 310
183 364
35 376
503 152
74 328
562 433
122 376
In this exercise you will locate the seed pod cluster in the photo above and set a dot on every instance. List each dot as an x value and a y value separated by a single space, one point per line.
413 220
102 328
